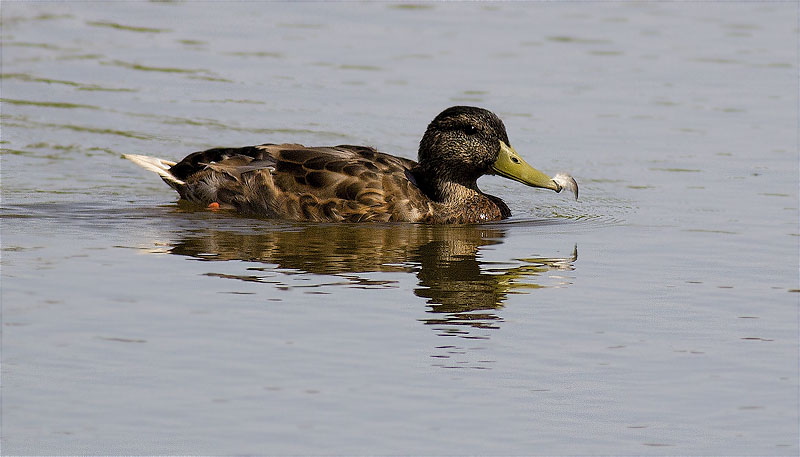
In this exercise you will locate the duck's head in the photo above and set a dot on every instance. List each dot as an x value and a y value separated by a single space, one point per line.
464 143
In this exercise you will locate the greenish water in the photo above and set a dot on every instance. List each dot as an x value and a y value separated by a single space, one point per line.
658 315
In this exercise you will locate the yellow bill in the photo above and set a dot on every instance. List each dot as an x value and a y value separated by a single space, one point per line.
510 165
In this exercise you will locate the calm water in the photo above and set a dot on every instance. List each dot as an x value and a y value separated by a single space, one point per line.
658 315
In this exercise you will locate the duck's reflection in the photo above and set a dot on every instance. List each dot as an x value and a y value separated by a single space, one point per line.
463 290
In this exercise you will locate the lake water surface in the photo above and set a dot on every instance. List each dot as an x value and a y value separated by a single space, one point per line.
657 315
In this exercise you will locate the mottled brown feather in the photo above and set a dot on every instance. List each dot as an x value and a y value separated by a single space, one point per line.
290 181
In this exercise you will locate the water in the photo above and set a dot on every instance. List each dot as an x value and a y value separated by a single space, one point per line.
658 315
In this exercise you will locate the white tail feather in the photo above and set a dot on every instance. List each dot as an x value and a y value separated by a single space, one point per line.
156 165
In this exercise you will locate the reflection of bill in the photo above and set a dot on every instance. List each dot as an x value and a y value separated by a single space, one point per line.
461 289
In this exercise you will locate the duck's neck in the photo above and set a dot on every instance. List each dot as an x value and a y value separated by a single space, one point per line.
442 189
455 194
461 202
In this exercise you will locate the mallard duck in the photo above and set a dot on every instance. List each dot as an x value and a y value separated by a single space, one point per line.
358 183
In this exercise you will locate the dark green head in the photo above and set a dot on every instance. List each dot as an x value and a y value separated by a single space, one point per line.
464 143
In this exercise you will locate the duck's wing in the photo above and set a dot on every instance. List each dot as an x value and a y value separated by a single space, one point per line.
291 181
199 161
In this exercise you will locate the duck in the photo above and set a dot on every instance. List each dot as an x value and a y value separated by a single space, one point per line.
348 183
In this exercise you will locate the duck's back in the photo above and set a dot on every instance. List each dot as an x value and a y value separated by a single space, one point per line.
291 181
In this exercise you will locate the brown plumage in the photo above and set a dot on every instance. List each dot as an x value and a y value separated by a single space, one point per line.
356 183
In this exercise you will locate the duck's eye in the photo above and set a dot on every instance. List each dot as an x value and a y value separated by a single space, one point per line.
470 130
